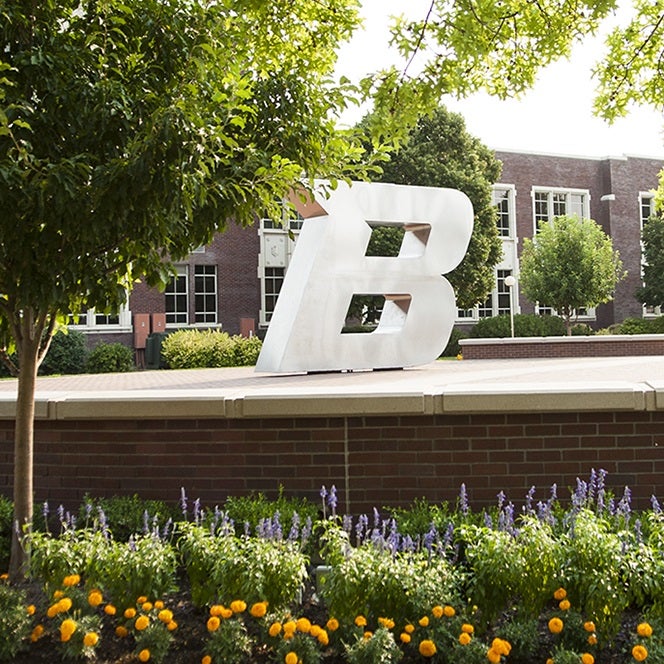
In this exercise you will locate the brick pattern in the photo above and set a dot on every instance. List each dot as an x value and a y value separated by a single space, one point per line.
391 460
588 348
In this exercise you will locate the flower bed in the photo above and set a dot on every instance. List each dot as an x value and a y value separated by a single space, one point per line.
580 582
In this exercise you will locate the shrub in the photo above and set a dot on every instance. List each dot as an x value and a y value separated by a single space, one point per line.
6 520
67 354
453 349
525 325
110 358
191 349
14 622
641 326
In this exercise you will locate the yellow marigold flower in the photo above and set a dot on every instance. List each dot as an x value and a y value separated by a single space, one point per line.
238 606
213 623
110 610
449 611
121 631
465 638
71 580
91 639
65 604
564 605
561 593
361 621
332 625
141 623
404 637
639 653
159 605
275 629
644 629
58 594
549 661
315 631
427 648
409 629
592 640
437 611
367 635
555 625
323 638
30 609
226 613
129 613
165 615
4 576
206 660
587 658
291 658
303 625
142 599
290 626
493 656
53 610
67 628
501 646
387 623
171 626
95 598
467 628
423 621
37 633
216 610
146 606
589 626
144 655
258 610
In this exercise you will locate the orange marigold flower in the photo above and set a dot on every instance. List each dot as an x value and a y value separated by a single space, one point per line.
332 625
30 609
465 638
404 637
216 610
361 621
206 660
501 646
95 598
226 613
141 623
110 610
592 640
564 604
367 635
644 629
493 656
549 661
423 621
449 611
58 594
37 633
315 631
323 638
409 629
291 658
144 655
289 628
142 599
427 648
129 613
238 606
275 629
165 616
555 625
587 658
589 626
71 580
121 631
159 605
146 606
437 611
467 628
171 626
387 623
91 639
67 628
213 623
53 610
258 610
65 604
561 593
639 653
303 625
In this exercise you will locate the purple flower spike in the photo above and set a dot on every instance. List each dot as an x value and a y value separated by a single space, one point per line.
332 500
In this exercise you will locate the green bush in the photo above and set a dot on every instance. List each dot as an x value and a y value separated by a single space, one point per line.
110 358
525 325
641 326
191 349
6 520
14 622
453 349
67 354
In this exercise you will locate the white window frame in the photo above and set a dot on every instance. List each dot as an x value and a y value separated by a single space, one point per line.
87 321
556 196
182 271
506 193
648 312
210 316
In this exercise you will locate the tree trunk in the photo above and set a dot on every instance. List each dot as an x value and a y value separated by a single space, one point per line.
28 350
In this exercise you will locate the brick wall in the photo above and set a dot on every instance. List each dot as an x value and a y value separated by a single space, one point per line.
391 459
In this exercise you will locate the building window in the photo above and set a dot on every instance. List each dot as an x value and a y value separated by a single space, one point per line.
550 203
274 279
90 320
647 210
503 199
205 293
502 293
176 298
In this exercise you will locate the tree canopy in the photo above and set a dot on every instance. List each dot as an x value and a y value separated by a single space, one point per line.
569 265
652 292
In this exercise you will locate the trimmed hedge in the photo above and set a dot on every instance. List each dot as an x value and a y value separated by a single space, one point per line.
525 325
192 349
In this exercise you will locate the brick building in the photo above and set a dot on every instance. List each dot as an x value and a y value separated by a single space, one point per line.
233 283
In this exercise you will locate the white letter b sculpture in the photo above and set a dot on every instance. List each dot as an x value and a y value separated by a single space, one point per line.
330 265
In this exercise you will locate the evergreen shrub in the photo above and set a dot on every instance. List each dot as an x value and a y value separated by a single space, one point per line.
110 358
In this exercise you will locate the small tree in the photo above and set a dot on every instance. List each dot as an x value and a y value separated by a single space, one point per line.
570 264
652 292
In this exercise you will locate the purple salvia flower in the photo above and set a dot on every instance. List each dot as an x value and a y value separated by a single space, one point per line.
463 500
376 517
103 522
347 523
277 531
183 502
611 507
61 512
638 532
501 500
132 543
197 511
294 531
488 521
88 509
306 531
361 528
580 494
656 507
448 538
529 500
146 521
509 517
332 500
247 529
323 496
407 544
501 521
166 531
592 485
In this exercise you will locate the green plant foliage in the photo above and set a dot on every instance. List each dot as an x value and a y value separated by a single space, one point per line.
229 643
569 265
14 622
190 349
6 523
67 354
640 326
523 634
525 325
652 237
110 358
453 348
381 648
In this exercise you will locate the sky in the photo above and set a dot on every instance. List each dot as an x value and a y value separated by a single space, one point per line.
554 117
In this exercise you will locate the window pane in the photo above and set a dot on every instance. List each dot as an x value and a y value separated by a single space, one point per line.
205 295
